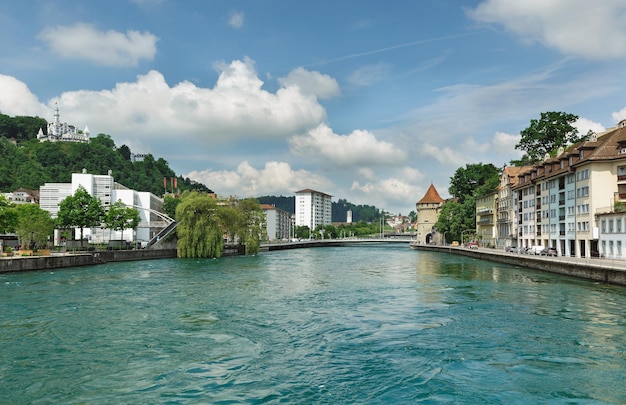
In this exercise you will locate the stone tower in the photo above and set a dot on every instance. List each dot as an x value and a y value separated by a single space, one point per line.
428 209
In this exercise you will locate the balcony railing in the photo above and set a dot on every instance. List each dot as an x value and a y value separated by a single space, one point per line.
621 177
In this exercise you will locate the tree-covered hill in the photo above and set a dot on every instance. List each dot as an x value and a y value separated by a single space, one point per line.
26 162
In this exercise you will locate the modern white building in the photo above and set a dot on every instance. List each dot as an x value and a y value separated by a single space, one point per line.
313 208
149 206
62 132
278 223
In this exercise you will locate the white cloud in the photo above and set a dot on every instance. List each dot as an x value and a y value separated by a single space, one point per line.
17 99
236 108
619 115
504 144
584 125
236 19
276 178
311 82
357 148
444 155
398 190
111 48
592 29
367 75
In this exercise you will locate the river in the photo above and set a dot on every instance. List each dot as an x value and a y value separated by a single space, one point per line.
341 325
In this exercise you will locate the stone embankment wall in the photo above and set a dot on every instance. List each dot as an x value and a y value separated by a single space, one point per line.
56 261
596 269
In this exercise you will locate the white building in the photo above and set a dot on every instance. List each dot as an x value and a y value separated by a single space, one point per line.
278 223
23 196
612 234
313 208
149 206
62 132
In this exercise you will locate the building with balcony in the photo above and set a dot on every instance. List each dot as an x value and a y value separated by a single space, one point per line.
313 208
486 230
506 221
569 189
278 223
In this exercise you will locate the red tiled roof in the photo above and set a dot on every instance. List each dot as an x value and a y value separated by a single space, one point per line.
431 196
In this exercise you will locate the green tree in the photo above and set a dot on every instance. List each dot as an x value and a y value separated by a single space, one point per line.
456 219
8 216
473 180
546 134
302 232
251 228
80 210
120 217
169 205
199 231
35 225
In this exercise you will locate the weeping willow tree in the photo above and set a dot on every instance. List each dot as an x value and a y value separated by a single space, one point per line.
199 226
203 224
252 220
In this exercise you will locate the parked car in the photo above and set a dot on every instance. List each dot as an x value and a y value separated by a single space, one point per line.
455 243
549 251
511 249
535 250
472 245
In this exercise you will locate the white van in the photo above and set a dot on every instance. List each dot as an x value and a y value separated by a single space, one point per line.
535 250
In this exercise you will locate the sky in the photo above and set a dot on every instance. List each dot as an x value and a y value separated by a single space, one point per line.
366 100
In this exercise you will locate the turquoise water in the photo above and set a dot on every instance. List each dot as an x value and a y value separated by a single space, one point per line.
381 324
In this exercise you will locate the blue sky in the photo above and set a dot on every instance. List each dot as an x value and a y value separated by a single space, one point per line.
369 101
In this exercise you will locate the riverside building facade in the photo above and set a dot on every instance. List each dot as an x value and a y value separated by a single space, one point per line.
149 206
558 200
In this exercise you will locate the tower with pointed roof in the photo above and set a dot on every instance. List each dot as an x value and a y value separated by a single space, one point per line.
428 209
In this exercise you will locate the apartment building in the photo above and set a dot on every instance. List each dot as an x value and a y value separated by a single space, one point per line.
278 223
506 221
486 230
313 208
568 190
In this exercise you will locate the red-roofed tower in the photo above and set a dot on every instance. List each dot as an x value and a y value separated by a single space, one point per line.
428 209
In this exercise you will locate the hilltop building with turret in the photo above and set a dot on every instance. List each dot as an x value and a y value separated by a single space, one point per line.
62 132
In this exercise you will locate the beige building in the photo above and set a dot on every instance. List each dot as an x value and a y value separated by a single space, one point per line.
506 221
557 199
486 230
428 209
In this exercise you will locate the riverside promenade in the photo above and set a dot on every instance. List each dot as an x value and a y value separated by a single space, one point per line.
62 260
610 271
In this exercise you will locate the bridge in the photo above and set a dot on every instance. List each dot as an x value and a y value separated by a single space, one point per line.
265 247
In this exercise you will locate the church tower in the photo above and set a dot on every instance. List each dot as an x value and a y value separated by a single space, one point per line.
428 209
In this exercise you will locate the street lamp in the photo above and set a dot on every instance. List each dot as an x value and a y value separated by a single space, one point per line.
462 235
444 238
